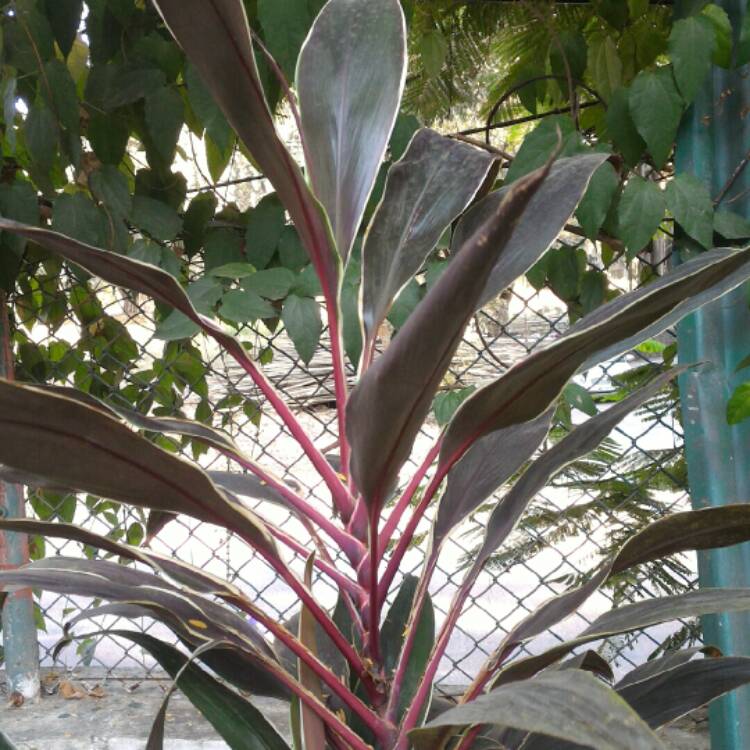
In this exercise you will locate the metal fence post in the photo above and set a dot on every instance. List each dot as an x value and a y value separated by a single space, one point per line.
712 145
20 646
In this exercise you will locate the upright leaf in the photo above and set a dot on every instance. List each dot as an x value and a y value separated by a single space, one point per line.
487 465
350 77
388 406
312 727
216 38
605 66
424 192
549 210
392 637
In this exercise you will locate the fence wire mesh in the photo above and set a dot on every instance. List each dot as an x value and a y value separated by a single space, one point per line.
103 340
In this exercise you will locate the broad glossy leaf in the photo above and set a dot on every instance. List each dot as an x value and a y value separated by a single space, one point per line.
656 108
350 76
110 186
689 201
529 387
82 447
605 65
424 192
388 406
5 743
569 705
392 635
673 659
487 465
666 696
216 39
164 112
549 210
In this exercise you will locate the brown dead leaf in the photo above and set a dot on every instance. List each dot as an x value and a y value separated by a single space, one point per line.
97 692
71 691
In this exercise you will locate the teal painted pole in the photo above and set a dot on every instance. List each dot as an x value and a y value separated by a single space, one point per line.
713 143
20 645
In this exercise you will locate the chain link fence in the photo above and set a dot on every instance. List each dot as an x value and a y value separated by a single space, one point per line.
103 340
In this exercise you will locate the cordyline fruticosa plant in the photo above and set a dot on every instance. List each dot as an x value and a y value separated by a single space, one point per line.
378 691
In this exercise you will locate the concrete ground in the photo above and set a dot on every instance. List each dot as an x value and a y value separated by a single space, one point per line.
83 712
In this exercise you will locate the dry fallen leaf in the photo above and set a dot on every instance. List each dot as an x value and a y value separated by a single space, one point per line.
70 691
97 692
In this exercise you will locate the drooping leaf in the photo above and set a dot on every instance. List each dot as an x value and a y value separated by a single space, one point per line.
216 38
549 210
78 217
570 705
301 317
264 227
392 637
433 47
241 306
529 387
40 131
195 619
83 448
632 617
593 208
64 18
285 25
159 219
656 108
271 283
668 695
731 226
164 112
110 186
424 193
350 77
621 127
639 213
605 65
690 203
691 48
206 110
386 409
